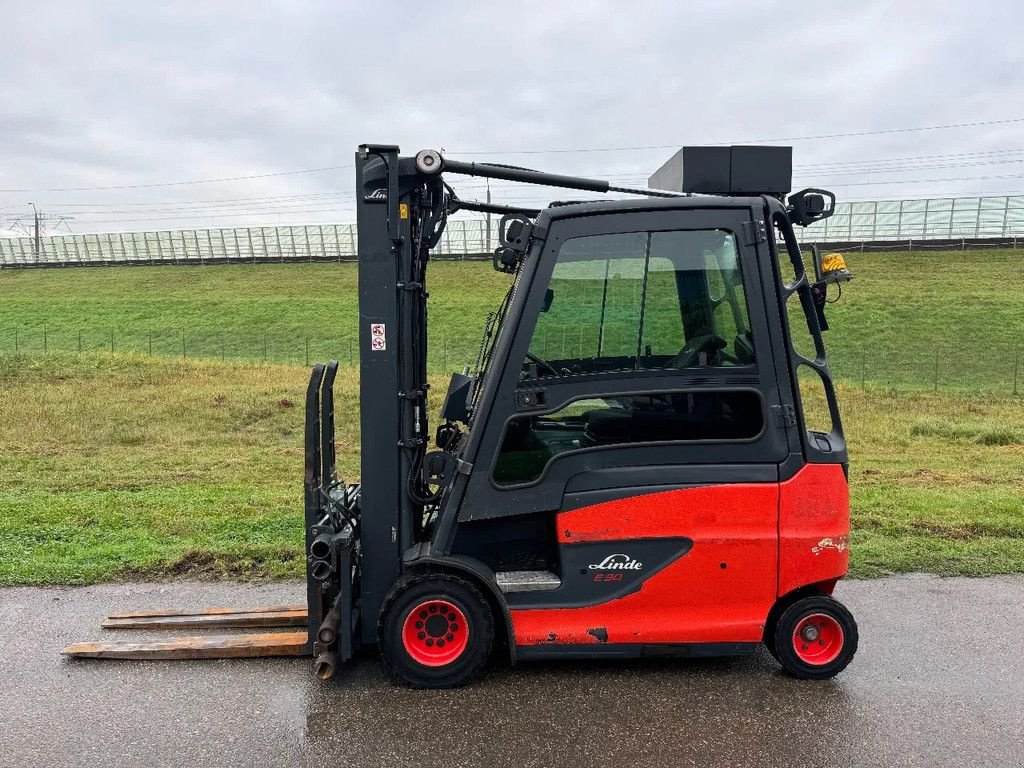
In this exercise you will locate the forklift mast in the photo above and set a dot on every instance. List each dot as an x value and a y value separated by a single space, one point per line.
393 214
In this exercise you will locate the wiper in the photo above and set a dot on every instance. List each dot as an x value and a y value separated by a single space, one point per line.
481 354
544 364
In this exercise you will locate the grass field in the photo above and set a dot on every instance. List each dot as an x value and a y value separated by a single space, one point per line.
116 466
946 320
125 465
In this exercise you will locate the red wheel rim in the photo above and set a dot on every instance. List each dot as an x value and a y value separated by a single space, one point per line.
817 639
435 633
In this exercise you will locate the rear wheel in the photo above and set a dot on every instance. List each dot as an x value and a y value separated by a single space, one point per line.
769 636
435 631
815 638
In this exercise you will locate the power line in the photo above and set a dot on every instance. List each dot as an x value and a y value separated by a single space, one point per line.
328 201
249 177
913 158
261 199
183 183
344 202
878 132
228 207
209 216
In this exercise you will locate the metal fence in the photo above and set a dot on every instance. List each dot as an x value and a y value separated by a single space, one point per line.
949 218
309 242
858 361
904 221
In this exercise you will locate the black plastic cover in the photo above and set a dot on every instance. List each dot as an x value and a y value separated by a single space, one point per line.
456 401
736 171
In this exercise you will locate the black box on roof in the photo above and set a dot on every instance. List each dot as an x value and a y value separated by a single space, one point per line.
742 170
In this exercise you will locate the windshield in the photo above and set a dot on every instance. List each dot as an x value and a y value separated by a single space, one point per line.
494 327
643 300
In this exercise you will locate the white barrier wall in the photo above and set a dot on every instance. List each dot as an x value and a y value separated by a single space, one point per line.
934 219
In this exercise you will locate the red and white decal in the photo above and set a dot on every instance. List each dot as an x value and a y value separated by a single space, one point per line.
378 337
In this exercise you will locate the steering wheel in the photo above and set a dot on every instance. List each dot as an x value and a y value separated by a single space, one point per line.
689 354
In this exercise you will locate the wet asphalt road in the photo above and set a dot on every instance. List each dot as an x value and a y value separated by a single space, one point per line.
939 680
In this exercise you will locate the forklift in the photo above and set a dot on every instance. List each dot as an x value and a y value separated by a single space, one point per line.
625 471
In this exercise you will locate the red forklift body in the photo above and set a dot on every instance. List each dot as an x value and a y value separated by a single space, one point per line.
625 471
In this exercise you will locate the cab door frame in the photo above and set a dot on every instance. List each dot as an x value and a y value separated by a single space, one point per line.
509 397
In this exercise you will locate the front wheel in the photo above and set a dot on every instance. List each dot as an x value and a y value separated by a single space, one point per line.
815 638
435 631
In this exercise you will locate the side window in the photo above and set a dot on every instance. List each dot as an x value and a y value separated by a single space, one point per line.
530 443
643 300
663 334
593 306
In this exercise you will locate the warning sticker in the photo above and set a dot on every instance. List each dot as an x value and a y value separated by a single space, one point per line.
378 337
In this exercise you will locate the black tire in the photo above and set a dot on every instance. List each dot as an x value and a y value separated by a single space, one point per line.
428 590
834 645
772 622
769 635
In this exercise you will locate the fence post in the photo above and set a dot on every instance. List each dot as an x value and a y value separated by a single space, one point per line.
264 345
45 345
183 345
15 341
79 339
222 355
1016 371
150 343
307 350
111 340
936 370
444 354
863 368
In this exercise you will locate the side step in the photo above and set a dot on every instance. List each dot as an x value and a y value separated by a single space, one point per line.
527 581
264 616
214 647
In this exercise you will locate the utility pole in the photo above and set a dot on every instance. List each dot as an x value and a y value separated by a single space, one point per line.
36 241
488 216
42 225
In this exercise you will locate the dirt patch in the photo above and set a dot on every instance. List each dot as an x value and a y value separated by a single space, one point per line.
942 530
964 531
214 566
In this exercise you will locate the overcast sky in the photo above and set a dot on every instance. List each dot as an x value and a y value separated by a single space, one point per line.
140 93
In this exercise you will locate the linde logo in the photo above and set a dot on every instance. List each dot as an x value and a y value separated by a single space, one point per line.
377 196
617 563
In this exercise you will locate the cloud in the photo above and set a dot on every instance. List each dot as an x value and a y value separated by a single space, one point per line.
124 93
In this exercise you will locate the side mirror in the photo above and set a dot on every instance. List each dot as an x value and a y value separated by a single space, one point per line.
514 235
504 260
809 205
514 230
